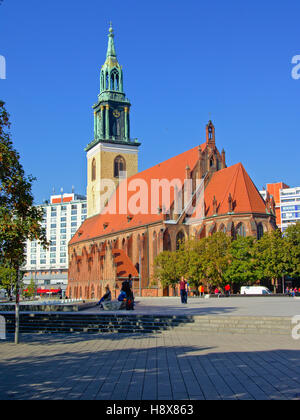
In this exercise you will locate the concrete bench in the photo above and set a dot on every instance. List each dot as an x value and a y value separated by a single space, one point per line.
114 305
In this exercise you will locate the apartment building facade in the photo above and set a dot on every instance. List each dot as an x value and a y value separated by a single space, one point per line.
63 215
287 201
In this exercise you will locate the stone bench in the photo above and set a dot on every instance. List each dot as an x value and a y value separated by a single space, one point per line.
114 305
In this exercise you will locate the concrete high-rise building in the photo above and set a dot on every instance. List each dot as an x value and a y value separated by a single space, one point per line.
273 190
62 217
287 202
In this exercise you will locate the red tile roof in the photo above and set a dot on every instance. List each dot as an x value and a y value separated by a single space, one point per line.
104 224
235 181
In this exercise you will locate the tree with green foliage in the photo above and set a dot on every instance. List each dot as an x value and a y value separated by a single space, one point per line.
167 269
7 279
292 239
19 218
216 258
31 289
271 257
241 269
191 262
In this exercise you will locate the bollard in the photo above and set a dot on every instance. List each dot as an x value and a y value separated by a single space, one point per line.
2 328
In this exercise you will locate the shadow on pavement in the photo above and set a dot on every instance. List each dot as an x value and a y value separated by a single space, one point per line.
112 370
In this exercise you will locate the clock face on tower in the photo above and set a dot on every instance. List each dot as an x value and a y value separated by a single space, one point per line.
116 113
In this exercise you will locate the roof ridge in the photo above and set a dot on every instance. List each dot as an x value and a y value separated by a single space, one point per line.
245 173
167 160
246 186
230 183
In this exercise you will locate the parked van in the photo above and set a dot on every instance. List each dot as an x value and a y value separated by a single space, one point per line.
255 290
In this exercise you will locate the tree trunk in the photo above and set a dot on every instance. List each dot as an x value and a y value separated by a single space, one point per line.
17 310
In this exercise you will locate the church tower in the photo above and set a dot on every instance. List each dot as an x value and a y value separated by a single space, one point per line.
112 151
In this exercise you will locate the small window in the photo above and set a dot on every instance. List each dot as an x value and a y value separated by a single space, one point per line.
94 169
119 166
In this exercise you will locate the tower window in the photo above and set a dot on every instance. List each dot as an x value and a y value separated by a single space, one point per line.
119 166
115 80
102 86
106 81
94 169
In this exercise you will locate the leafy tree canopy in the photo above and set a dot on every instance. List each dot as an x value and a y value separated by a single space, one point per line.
19 218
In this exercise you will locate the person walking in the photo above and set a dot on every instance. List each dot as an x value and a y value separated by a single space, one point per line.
217 292
130 281
201 290
183 291
227 290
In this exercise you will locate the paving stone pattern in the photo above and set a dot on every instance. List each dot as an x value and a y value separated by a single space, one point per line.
171 365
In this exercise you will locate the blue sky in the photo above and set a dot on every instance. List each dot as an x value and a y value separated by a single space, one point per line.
183 62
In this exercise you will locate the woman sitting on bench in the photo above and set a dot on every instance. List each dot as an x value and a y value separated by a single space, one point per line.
105 298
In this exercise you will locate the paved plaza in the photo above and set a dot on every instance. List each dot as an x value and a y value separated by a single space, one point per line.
232 306
167 366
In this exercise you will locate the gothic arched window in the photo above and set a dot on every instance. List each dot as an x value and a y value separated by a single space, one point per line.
260 231
119 166
106 82
114 80
94 169
154 245
222 228
241 230
179 239
167 241
102 82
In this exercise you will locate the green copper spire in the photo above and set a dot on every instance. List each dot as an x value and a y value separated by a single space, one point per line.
112 111
111 51
111 77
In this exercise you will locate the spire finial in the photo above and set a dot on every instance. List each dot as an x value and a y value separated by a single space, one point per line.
111 52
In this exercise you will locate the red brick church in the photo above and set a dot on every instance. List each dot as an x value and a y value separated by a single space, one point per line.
190 195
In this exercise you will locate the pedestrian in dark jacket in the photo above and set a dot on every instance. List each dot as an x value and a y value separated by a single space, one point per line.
183 291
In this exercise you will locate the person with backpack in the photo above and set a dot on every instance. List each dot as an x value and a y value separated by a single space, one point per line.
126 289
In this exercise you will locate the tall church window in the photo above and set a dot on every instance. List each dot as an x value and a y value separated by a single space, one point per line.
260 231
179 239
154 245
119 166
241 230
114 80
222 228
94 169
167 241
106 81
103 81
